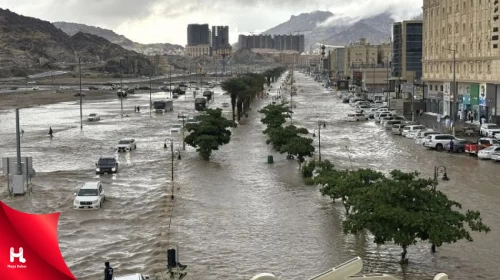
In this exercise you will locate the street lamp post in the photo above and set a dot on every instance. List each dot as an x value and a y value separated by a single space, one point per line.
438 170
183 117
320 124
81 93
121 88
172 160
454 96
150 89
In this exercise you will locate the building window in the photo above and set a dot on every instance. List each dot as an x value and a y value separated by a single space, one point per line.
488 68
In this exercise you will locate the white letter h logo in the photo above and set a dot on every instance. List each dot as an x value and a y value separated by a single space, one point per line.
17 255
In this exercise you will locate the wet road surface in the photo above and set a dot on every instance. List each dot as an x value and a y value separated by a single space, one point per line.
234 216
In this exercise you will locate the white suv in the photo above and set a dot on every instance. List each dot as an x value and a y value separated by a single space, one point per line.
489 129
438 141
89 196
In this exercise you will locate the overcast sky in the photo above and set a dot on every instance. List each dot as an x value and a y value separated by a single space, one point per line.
157 21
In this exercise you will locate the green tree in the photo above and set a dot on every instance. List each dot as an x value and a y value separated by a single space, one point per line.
281 136
300 147
209 133
404 209
275 115
344 184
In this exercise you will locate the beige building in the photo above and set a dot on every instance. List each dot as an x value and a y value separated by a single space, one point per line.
197 50
160 64
468 29
361 59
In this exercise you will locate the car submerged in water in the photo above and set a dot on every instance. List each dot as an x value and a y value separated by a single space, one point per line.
89 196
106 165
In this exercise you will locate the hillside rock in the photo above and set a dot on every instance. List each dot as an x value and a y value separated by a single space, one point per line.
29 45
74 28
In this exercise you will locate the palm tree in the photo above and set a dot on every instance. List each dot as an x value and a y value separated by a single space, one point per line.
234 86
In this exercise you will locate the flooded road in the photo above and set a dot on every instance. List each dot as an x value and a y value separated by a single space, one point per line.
234 216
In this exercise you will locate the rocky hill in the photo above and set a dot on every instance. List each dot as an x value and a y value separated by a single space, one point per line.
29 44
73 28
334 29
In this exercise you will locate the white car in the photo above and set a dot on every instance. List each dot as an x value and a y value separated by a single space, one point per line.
93 117
495 156
422 134
175 128
89 196
438 141
356 117
126 145
487 153
135 276
362 108
379 118
412 129
32 83
489 129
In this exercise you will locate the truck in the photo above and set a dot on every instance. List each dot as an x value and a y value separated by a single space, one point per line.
208 95
483 143
162 106
200 104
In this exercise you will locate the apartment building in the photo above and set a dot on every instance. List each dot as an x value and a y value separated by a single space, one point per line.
467 30
368 65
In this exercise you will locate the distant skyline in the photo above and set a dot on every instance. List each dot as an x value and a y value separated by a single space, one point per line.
165 21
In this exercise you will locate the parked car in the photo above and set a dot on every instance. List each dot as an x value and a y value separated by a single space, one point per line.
496 156
487 153
362 108
192 119
126 145
93 117
397 129
422 134
488 129
135 276
415 129
390 124
472 148
175 128
458 146
411 130
93 88
386 119
438 141
79 93
106 165
370 113
356 117
89 196
381 116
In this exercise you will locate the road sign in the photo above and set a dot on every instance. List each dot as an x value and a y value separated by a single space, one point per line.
9 166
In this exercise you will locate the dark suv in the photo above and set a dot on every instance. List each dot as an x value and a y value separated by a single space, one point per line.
106 165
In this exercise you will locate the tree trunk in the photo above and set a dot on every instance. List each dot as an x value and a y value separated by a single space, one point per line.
233 106
433 248
404 260
239 108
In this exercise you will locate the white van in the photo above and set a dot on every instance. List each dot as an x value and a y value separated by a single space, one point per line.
356 117
410 129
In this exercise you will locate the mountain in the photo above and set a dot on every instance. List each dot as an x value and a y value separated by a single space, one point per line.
319 27
73 28
30 44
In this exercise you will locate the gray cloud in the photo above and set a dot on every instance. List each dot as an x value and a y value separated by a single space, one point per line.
147 20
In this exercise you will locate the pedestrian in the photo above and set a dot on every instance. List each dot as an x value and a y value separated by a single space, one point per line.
447 122
108 271
451 146
138 109
22 132
459 115
482 119
50 132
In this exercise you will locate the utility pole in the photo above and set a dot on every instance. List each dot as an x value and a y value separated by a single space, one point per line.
150 89
121 88
170 80
81 93
453 114
18 145
291 97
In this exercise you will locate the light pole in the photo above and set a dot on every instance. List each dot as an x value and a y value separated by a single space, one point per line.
452 97
320 124
121 88
172 160
183 117
81 93
438 170
150 89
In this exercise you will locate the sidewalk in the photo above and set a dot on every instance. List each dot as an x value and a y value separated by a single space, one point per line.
430 120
